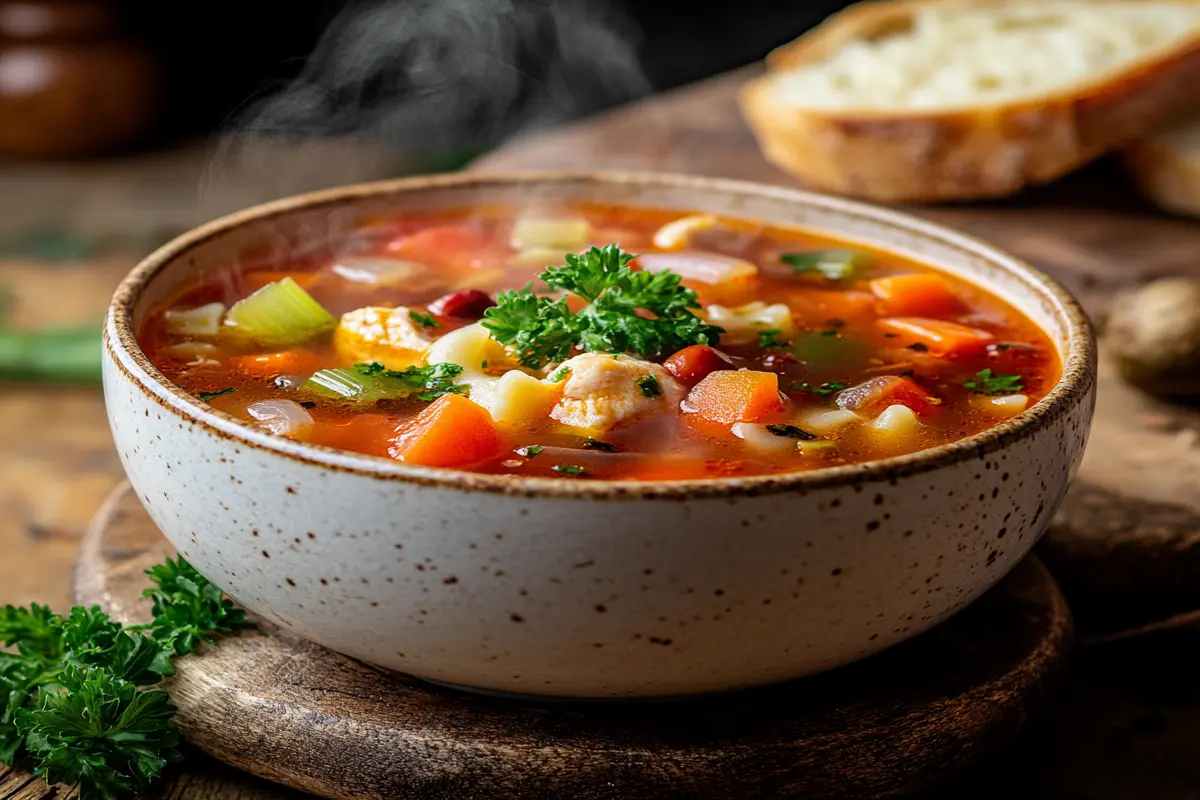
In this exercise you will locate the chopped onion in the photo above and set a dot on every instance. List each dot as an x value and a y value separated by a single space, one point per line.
761 439
282 417
279 314
678 233
702 267
1008 405
201 321
378 271
550 233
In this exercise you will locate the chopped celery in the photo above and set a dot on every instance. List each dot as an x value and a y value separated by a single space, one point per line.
347 384
370 383
836 265
279 314
201 321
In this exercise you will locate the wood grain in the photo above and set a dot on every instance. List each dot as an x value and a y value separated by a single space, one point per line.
1127 541
317 721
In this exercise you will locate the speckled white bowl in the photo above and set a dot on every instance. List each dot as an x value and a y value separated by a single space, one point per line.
592 589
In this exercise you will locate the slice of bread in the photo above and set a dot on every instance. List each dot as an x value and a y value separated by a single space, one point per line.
1167 166
942 100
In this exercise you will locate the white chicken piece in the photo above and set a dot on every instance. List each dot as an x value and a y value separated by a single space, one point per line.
387 335
604 390
743 323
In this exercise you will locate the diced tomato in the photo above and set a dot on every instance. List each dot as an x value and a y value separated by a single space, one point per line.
692 364
450 246
462 304
297 361
451 432
941 337
874 395
920 294
729 396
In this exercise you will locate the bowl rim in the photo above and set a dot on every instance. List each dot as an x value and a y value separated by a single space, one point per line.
1073 387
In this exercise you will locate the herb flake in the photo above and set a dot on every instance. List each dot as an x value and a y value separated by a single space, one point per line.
424 320
574 470
206 396
649 386
987 382
791 432
529 451
823 392
834 265
595 444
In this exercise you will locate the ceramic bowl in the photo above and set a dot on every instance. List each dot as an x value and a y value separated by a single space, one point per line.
554 587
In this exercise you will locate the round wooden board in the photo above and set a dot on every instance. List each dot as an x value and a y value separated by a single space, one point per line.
292 712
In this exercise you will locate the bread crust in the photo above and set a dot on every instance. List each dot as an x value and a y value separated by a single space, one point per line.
958 154
1167 176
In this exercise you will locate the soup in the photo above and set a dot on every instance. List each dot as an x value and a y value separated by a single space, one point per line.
598 342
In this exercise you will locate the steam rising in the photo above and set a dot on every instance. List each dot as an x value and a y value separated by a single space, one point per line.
436 74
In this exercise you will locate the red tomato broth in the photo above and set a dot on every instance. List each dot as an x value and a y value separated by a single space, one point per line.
839 340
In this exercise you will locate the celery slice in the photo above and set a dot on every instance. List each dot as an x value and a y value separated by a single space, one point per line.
347 384
279 314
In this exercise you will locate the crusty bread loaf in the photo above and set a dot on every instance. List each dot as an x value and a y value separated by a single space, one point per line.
942 100
1167 167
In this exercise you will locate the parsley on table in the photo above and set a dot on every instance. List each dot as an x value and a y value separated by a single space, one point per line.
987 382
649 386
430 382
573 470
835 265
72 694
206 396
423 320
640 312
791 432
823 392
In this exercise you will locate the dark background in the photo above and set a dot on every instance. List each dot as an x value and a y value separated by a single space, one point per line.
222 55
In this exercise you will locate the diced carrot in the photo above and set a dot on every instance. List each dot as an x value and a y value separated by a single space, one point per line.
941 337
451 432
297 361
729 396
921 294
818 305
875 394
448 246
692 364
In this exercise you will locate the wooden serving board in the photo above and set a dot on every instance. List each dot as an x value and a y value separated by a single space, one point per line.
292 712
1126 545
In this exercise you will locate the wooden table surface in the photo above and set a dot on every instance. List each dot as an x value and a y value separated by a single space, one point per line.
1123 728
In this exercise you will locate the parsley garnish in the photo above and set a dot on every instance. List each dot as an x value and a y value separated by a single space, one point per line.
988 383
424 320
431 381
644 313
767 339
595 444
823 391
836 265
791 432
206 396
71 694
649 386
573 470
559 375
529 451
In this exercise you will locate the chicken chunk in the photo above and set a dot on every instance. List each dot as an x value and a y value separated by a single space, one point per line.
601 391
386 335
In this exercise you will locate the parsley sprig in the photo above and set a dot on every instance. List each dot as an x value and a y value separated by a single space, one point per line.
72 689
638 312
428 383
987 382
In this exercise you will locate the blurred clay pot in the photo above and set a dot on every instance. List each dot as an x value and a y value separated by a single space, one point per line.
70 84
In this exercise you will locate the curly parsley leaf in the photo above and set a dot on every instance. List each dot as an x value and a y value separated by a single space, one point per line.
102 732
188 608
638 312
987 382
